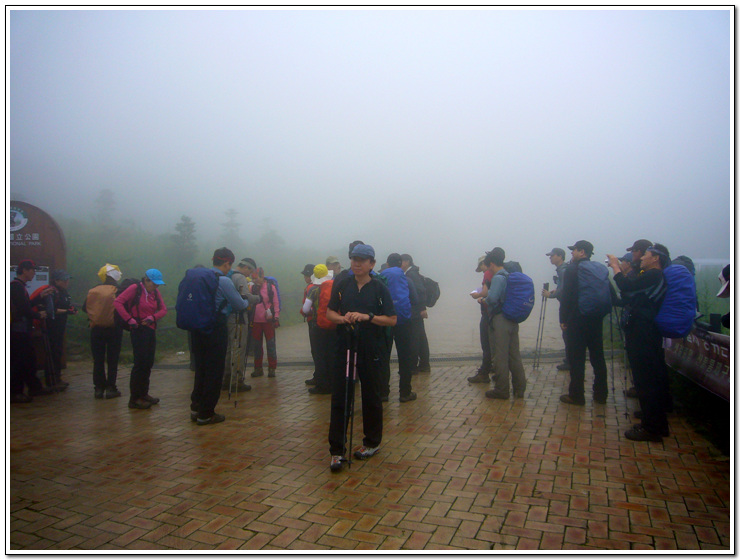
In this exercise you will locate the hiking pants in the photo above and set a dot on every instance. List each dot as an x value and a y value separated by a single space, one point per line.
144 344
645 350
209 353
420 348
403 335
368 372
22 363
268 329
326 349
312 328
485 344
586 333
105 344
236 350
504 337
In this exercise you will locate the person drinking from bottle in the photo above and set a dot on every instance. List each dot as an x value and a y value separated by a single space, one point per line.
361 306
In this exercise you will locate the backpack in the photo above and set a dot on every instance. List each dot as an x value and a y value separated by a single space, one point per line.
398 286
519 297
99 306
432 290
675 319
125 284
512 266
324 297
196 300
594 295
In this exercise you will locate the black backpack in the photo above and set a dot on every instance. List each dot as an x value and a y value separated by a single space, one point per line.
432 289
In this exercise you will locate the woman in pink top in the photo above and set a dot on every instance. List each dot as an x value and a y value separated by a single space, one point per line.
141 306
266 320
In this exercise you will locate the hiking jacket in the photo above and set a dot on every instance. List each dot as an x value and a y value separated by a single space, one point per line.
642 294
497 292
415 278
150 306
557 293
262 307
20 306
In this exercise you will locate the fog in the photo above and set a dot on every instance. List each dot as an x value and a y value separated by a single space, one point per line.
441 133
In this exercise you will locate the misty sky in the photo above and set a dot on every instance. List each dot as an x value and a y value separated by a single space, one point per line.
440 133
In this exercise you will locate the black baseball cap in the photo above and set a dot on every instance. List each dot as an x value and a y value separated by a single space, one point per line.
640 245
307 270
583 245
556 251
25 264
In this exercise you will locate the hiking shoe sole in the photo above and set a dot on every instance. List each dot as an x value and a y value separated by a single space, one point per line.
215 419
567 399
365 452
407 398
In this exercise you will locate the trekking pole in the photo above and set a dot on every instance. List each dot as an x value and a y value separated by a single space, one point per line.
346 393
540 329
355 337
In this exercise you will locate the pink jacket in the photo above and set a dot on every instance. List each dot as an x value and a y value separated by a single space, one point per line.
146 308
260 308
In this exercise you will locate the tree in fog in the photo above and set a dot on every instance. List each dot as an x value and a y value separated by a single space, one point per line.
184 243
105 207
230 232
270 241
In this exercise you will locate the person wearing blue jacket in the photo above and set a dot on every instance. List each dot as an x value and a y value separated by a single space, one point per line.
404 297
209 350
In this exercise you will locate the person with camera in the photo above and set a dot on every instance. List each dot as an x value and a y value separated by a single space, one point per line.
643 295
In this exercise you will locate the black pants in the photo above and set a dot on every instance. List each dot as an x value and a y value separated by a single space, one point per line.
644 345
420 344
209 353
485 367
144 344
403 337
312 328
326 350
585 333
105 344
22 363
368 372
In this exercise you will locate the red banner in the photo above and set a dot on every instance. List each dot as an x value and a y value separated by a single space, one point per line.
703 357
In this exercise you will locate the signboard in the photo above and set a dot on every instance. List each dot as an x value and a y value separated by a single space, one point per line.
33 234
703 357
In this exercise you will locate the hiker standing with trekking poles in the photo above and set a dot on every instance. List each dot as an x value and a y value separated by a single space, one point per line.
361 306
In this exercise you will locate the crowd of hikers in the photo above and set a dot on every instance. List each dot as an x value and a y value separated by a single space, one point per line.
354 318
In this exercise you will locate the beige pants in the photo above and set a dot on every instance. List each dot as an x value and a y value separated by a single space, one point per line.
236 352
503 337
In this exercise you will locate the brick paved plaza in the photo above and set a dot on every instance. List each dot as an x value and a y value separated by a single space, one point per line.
456 471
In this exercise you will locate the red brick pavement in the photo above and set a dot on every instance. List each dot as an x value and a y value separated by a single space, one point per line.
456 471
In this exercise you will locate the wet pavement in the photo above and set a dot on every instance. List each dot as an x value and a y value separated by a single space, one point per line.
456 471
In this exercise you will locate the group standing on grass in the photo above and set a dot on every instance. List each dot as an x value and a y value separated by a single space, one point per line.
354 317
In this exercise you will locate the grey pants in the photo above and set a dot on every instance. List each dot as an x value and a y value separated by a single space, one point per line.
503 336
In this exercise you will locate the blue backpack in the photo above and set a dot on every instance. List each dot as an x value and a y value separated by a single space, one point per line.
519 297
678 310
398 286
594 295
196 300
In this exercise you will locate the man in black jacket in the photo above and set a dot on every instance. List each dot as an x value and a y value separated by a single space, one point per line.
420 344
643 296
22 355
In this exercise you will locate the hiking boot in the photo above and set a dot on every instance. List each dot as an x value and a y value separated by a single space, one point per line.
425 369
271 372
20 398
40 392
112 393
258 372
336 463
310 382
409 397
139 404
600 399
243 387
638 433
366 452
631 393
60 386
319 391
150 399
563 367
99 393
567 399
494 394
215 419
479 378
193 416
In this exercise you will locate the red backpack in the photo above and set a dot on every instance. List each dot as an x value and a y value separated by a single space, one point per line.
324 296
